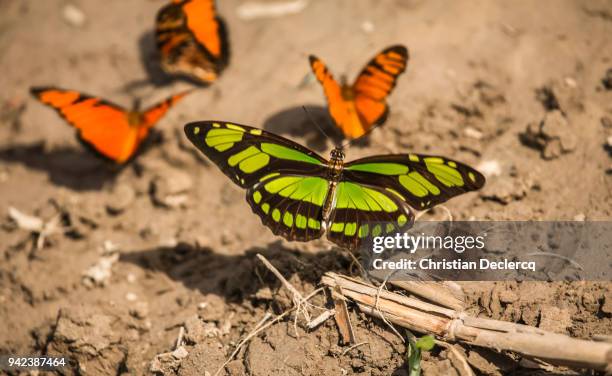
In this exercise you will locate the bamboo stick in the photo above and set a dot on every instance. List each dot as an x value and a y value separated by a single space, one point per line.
452 325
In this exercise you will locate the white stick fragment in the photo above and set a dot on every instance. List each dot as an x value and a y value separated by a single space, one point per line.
253 10
179 339
24 221
320 319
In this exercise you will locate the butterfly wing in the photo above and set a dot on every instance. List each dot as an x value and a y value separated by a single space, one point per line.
422 181
342 110
192 39
286 182
376 193
375 83
100 124
363 211
152 114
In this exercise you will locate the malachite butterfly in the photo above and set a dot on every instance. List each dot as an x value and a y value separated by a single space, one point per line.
300 195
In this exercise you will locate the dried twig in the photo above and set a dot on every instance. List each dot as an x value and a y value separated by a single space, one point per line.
298 299
353 347
343 320
179 339
447 293
451 325
261 326
320 319
455 355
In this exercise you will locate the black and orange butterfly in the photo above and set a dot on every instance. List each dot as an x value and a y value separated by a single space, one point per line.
110 130
358 107
192 40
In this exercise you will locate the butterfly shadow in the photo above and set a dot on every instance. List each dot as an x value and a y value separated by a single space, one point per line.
67 167
298 122
236 277
149 58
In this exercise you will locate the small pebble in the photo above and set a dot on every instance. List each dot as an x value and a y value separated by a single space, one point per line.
367 26
121 198
140 310
473 133
130 297
180 353
580 217
73 15
490 168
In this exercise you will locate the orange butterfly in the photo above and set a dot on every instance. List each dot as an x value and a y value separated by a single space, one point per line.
107 128
356 108
192 39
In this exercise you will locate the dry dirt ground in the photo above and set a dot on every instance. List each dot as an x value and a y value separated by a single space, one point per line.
517 88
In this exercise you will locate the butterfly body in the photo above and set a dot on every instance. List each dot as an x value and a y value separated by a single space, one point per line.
357 107
192 40
108 129
300 195
335 166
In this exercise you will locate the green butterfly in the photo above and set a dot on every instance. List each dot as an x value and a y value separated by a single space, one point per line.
300 195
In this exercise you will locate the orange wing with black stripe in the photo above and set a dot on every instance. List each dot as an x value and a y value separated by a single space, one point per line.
192 39
109 129
357 108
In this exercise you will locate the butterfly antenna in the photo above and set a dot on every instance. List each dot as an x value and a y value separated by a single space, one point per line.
351 142
315 123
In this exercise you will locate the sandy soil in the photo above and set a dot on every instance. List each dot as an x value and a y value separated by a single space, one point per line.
177 240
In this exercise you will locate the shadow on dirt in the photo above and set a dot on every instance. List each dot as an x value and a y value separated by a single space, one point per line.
236 277
296 122
73 168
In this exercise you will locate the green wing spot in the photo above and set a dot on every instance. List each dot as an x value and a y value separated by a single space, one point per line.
418 185
377 230
300 221
256 132
446 175
364 230
337 227
380 168
250 159
396 193
309 189
216 125
472 177
314 224
257 197
452 164
401 220
413 158
389 228
276 215
283 152
269 176
196 130
222 139
234 127
288 219
350 229
355 196
265 207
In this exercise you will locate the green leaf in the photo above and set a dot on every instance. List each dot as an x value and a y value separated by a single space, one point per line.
425 343
414 351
